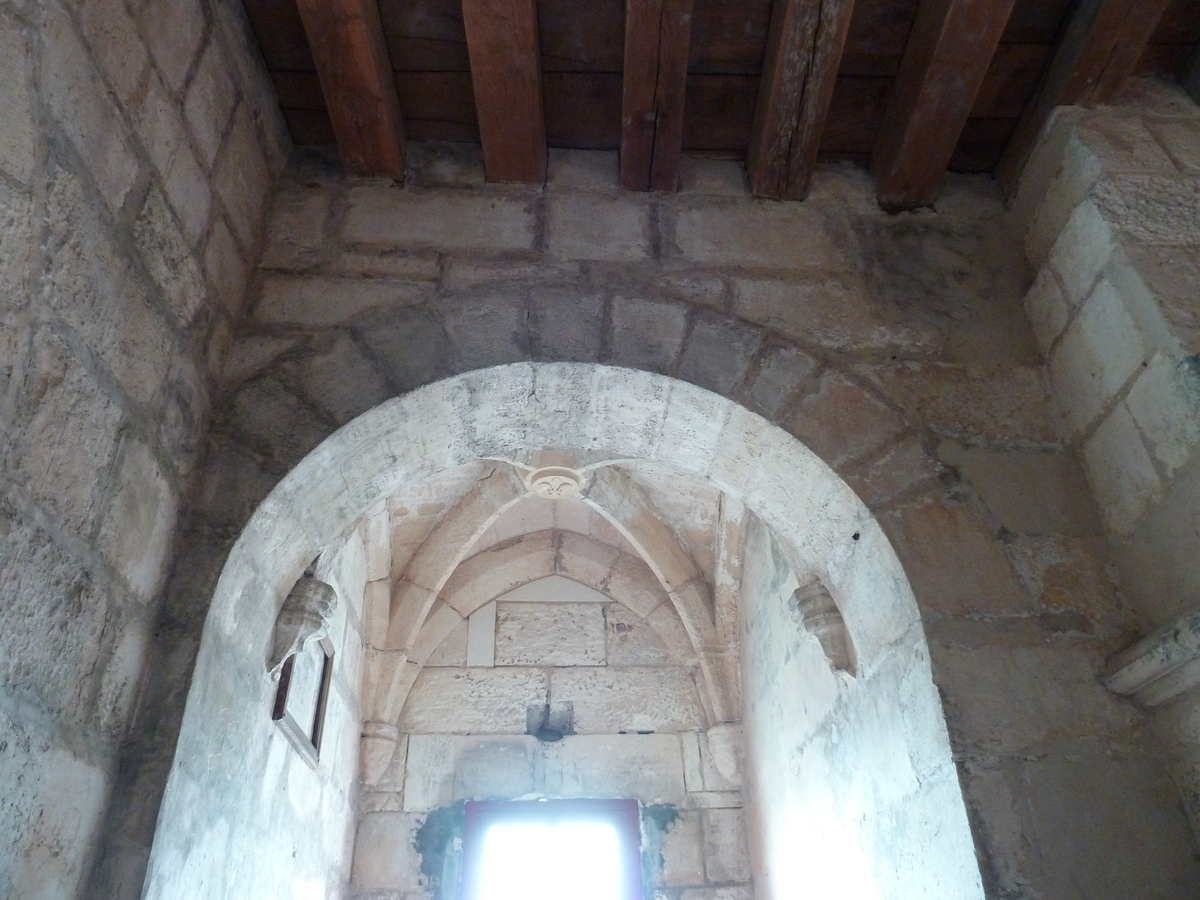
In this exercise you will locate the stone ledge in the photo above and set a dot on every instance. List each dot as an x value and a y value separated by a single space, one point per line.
1159 666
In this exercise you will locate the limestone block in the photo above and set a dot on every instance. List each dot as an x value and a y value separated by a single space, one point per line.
1181 139
646 766
487 331
1047 309
715 799
725 855
568 325
140 521
582 170
410 344
481 636
490 219
55 623
18 139
1013 697
342 381
693 775
473 701
630 641
67 434
494 768
376 531
669 627
647 334
755 234
634 585
496 571
169 260
174 30
1121 471
839 421
596 227
526 516
682 852
1152 209
1043 492
1081 252
993 404
321 301
1123 144
209 102
609 700
714 177
723 752
296 230
1071 574
955 565
190 193
833 313
896 471
733 892
718 353
241 178
16 244
268 411
385 853
1165 404
452 651
78 100
429 772
586 561
782 370
550 634
1098 353
226 268
401 266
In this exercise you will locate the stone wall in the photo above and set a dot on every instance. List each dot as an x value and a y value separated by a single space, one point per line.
136 146
1110 213
895 347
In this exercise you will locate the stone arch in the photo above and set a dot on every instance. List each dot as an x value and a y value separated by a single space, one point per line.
507 413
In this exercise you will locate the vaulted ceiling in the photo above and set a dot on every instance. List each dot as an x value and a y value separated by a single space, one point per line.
914 87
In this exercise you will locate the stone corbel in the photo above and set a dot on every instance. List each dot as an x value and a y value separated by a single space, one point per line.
303 618
1159 666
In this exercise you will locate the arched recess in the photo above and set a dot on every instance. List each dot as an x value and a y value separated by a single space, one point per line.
214 839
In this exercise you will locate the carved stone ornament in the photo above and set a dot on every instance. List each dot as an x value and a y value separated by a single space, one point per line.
303 618
555 482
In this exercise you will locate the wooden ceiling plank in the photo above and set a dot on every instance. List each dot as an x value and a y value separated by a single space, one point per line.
506 72
804 52
657 38
1079 65
947 56
347 44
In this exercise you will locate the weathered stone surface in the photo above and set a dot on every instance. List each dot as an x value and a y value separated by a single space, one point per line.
17 132
630 640
781 371
226 267
550 634
287 300
488 331
209 102
241 178
1047 309
411 345
495 768
839 421
385 853
296 232
342 380
646 766
169 260
491 219
609 700
683 852
174 32
585 170
647 334
1165 404
472 701
141 517
753 234
725 857
1121 471
16 244
588 226
718 353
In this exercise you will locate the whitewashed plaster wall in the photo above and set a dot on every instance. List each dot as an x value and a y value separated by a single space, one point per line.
137 146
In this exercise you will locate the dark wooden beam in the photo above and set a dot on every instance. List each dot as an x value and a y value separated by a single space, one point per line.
506 72
804 51
347 44
1190 78
1097 51
949 49
657 36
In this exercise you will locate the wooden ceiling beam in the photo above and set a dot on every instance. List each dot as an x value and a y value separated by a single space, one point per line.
804 52
949 49
347 44
657 38
1097 51
506 74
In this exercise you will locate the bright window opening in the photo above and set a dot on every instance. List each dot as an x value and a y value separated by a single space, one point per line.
552 850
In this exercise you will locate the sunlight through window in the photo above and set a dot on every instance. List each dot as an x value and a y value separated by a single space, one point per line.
536 861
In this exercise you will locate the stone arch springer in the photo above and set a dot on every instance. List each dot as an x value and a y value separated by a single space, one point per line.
507 413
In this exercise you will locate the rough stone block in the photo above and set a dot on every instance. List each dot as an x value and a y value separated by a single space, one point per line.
491 219
646 766
169 260
896 471
1152 209
715 177
1046 308
1074 575
549 634
284 425
319 301
647 334
411 345
1165 403
757 234
1081 252
683 852
495 768
733 892
16 245
1042 492
1123 144
78 100
630 640
488 331
429 772
840 421
18 134
341 380
1122 474
725 856
226 267
385 853
596 227
472 701
1098 353
609 700
173 30
209 102
718 353
781 372
633 584
582 170
568 325
241 179
296 231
